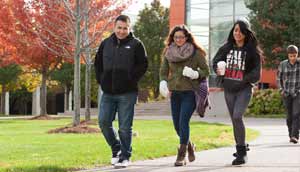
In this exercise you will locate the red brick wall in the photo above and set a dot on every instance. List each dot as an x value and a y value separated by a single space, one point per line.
269 76
177 12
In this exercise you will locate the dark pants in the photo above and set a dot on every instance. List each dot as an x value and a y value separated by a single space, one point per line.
182 106
292 106
237 103
124 105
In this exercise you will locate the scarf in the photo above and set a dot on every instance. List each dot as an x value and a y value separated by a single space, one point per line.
178 54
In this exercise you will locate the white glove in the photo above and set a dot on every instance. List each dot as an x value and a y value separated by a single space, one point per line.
189 72
163 88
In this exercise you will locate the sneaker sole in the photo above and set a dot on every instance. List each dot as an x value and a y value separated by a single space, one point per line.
179 164
119 167
191 159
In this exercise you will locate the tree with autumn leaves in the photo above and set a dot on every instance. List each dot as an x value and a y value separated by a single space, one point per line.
9 68
30 49
85 22
277 25
48 32
13 76
8 76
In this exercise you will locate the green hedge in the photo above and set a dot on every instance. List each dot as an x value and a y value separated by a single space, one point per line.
267 102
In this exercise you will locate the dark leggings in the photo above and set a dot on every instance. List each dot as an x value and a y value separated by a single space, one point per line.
237 103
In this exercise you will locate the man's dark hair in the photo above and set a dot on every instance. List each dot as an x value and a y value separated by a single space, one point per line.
123 18
292 49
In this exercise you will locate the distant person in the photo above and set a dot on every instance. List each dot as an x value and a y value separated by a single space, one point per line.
183 67
288 78
238 66
119 64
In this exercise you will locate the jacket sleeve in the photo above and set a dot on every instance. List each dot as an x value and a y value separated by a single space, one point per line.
220 56
204 68
164 70
279 77
141 62
254 75
98 64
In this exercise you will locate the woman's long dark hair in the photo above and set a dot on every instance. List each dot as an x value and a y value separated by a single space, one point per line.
189 36
250 38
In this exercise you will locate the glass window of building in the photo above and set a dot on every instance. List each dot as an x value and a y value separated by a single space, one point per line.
211 20
197 17
223 13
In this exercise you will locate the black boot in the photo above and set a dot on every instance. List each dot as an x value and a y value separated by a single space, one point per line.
247 149
241 157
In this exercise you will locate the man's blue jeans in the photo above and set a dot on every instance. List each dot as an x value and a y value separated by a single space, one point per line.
183 104
124 105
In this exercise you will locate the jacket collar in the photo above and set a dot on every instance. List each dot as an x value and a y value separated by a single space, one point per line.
297 62
121 41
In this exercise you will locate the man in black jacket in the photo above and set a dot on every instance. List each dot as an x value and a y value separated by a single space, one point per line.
119 64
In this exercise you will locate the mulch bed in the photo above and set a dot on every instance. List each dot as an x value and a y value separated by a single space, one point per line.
90 122
79 129
82 128
43 117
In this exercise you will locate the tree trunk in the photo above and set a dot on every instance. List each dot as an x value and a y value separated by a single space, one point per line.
36 102
2 108
76 117
66 98
88 65
44 93
25 109
6 103
0 103
156 76
70 105
88 93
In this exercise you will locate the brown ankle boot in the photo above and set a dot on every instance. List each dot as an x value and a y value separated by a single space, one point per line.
191 151
180 161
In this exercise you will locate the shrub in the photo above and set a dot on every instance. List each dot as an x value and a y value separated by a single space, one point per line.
265 102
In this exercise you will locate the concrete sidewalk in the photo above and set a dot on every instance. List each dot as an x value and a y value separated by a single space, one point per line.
271 152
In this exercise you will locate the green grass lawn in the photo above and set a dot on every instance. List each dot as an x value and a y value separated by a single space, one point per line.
25 145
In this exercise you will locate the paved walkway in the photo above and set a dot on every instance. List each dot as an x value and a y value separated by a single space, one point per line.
271 152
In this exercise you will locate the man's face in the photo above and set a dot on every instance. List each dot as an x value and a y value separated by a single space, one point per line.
121 29
292 57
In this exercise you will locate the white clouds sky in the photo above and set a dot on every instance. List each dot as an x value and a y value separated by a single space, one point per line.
138 5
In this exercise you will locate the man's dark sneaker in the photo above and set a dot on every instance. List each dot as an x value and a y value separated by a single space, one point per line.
123 163
115 157
294 140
